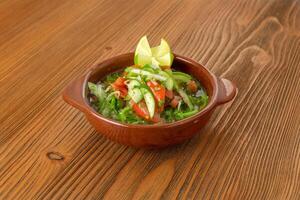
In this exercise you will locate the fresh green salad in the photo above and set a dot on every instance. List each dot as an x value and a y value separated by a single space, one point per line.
149 91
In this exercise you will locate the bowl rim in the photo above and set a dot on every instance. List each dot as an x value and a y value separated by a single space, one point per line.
90 110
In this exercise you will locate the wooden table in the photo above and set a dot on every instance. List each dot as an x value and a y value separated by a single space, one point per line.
249 150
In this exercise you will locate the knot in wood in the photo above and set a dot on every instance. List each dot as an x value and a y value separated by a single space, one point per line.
108 48
55 156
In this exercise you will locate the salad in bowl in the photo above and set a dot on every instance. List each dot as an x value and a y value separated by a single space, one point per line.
149 98
148 91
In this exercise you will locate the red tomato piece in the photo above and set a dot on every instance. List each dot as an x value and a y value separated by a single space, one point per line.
170 94
174 103
119 85
120 82
158 91
123 90
156 118
140 109
192 86
159 109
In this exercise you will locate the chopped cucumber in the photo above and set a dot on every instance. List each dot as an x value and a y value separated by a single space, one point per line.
180 76
168 71
169 83
132 84
135 94
148 74
150 102
186 98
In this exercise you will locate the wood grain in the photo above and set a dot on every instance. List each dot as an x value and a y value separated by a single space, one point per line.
249 150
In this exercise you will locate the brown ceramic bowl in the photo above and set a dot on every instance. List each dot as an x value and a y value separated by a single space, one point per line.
220 91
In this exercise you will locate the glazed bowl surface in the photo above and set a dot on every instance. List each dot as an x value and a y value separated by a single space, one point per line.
219 90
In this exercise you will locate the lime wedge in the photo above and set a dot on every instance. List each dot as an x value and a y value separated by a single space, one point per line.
165 60
154 62
162 49
155 50
143 47
157 56
142 60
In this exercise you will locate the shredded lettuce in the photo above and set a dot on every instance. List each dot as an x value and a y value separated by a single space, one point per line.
97 90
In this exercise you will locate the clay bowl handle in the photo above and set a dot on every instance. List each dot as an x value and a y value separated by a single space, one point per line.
227 90
73 94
